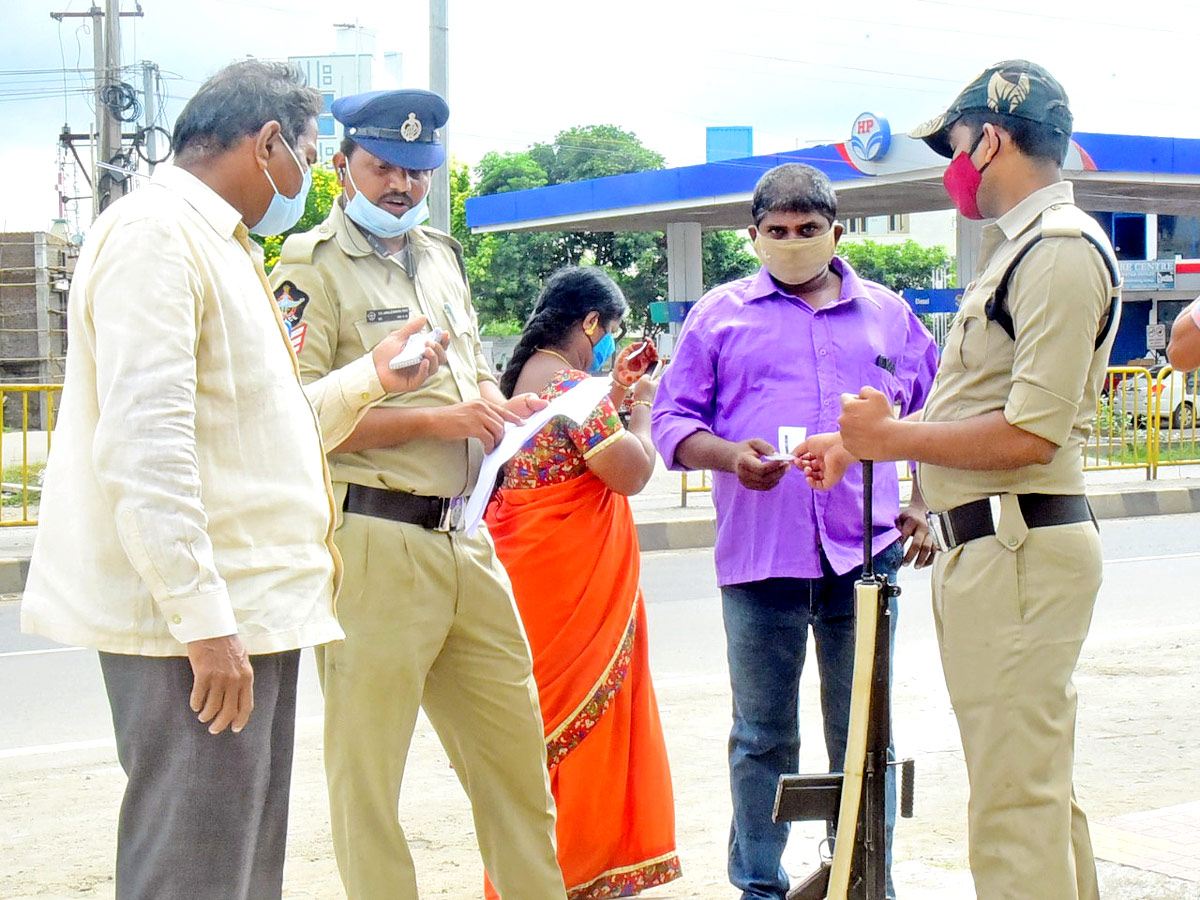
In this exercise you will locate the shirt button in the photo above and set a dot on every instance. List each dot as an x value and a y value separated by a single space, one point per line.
175 620
822 351
1012 542
365 395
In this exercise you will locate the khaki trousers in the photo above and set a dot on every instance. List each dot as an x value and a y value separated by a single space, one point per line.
1010 623
430 623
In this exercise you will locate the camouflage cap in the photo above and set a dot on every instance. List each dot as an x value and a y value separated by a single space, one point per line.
1015 87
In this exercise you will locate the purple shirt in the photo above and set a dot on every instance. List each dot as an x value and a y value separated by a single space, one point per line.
751 358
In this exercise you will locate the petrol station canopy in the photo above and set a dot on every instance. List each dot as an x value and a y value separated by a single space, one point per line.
1111 172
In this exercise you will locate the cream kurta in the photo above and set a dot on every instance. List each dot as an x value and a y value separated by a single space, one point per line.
187 494
1047 380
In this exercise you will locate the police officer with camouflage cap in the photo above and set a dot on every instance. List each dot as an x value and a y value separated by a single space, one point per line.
999 447
428 611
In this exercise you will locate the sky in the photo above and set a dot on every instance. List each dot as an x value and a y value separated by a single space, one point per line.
799 73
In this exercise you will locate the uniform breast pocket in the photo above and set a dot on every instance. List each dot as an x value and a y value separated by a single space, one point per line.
972 344
371 333
458 321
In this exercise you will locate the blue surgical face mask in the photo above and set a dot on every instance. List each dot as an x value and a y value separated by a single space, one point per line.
602 350
283 212
379 221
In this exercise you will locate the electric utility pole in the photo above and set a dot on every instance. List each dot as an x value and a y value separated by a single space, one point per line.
110 185
106 62
439 83
150 110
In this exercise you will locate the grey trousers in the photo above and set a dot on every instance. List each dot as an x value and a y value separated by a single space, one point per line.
204 816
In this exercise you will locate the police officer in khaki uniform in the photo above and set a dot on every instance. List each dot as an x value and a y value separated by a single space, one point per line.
428 612
1000 452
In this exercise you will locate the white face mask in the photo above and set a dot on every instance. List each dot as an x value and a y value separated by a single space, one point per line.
379 221
284 212
795 261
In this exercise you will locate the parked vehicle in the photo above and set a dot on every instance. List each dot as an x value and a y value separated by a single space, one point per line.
1175 392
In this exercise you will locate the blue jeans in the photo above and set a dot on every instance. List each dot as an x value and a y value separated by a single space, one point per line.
766 630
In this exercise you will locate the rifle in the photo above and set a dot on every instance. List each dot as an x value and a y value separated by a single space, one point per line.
853 800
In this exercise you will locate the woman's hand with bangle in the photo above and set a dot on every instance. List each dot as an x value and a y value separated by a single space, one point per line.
644 390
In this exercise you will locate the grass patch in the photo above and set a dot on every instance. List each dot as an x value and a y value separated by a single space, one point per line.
18 474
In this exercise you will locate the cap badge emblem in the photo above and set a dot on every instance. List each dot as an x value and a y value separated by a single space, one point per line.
1012 93
411 129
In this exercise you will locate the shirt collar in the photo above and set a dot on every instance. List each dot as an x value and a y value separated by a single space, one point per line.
762 286
211 206
354 241
349 236
1025 213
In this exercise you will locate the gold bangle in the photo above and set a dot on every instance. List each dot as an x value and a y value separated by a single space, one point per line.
641 403
622 385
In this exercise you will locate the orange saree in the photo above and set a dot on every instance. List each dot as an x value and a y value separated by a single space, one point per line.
572 553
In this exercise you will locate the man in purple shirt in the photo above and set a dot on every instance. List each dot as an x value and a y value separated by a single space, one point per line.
777 349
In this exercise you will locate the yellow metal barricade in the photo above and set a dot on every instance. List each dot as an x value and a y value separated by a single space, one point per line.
1122 436
686 486
32 408
1173 419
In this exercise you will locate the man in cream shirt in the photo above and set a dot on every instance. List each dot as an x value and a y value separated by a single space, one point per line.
186 525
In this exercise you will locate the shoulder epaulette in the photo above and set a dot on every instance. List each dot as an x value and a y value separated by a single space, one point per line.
455 248
299 248
1060 221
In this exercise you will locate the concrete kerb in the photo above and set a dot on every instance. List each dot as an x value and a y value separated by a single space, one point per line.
1152 500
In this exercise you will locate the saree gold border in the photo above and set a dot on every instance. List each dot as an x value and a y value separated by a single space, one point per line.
624 647
677 872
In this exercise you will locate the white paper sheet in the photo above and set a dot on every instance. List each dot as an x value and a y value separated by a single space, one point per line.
576 404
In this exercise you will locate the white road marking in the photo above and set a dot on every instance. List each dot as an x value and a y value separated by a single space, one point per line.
1137 559
12 653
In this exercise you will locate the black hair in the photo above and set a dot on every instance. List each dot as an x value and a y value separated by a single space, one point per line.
567 297
1037 140
794 187
239 100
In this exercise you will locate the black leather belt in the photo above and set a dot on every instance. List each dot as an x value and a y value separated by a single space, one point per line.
434 513
975 520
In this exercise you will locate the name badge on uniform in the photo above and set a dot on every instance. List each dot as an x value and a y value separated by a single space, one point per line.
396 314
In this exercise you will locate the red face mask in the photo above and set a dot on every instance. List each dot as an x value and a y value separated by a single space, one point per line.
961 180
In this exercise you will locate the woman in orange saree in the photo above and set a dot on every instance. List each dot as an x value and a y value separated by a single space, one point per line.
564 530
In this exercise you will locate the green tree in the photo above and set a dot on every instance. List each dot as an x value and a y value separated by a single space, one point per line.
593 151
898 266
500 172
325 189
727 257
508 268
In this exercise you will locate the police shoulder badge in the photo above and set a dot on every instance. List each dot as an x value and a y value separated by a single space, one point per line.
292 302
411 129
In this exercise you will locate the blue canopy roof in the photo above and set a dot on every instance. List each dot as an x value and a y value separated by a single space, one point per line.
1113 172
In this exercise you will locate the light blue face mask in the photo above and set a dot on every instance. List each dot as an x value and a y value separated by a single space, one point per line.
602 350
379 221
283 212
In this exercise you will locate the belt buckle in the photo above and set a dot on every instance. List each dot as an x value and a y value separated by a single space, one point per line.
451 517
941 529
